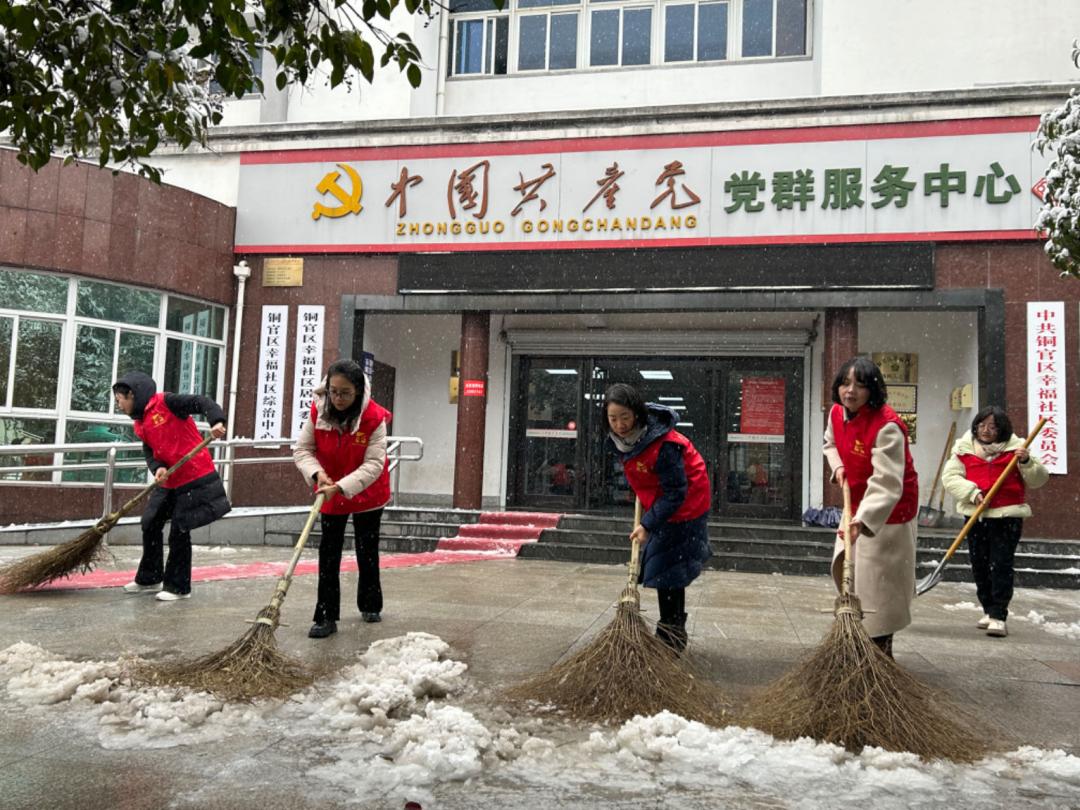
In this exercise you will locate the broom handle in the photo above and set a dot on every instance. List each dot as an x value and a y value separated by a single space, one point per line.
993 491
111 519
948 445
635 549
847 580
286 578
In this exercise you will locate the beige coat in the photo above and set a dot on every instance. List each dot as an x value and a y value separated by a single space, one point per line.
954 479
884 552
374 457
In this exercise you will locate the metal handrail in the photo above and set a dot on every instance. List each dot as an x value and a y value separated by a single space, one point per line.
398 449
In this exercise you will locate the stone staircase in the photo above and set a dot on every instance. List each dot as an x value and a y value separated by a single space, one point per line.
763 548
768 548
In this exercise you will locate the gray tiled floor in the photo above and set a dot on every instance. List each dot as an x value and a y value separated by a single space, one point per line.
506 619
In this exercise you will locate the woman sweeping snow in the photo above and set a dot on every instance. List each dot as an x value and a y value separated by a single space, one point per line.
866 444
668 475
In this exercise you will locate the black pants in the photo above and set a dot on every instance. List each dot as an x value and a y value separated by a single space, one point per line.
672 603
175 573
992 547
369 591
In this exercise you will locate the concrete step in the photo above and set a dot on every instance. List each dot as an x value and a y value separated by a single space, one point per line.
542 519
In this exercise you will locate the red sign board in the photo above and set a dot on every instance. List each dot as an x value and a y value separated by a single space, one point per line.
472 388
763 406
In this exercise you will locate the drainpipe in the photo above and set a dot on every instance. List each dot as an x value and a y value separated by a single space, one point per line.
440 74
242 273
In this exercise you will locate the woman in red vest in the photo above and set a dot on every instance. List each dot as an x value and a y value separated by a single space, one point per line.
668 475
978 459
190 498
342 452
866 445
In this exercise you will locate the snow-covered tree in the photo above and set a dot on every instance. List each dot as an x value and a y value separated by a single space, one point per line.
114 78
1059 218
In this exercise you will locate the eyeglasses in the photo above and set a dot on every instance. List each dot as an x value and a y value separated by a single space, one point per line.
338 393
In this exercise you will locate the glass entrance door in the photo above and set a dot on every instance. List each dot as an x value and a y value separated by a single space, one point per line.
548 413
760 441
743 414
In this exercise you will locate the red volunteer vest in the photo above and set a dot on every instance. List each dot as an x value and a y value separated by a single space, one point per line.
341 453
171 437
983 474
641 475
855 441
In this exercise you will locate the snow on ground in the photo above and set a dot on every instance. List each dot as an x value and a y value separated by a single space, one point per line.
403 722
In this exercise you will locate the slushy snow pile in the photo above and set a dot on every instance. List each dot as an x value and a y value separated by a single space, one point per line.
404 723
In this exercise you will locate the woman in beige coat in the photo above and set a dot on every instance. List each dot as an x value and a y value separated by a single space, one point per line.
978 459
866 445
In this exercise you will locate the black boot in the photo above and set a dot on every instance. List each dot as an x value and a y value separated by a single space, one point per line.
673 633
327 627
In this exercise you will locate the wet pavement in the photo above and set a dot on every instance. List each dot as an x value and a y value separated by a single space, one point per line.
506 619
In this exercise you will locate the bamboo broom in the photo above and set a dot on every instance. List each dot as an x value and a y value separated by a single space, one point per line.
849 693
252 666
86 550
625 671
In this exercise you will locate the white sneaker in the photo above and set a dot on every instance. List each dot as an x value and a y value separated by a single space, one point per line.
135 587
995 628
169 596
983 623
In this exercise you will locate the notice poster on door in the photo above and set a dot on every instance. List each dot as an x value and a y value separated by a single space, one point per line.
761 419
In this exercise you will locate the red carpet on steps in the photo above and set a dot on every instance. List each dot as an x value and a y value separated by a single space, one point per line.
500 533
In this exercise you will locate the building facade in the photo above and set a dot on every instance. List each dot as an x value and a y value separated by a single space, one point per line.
718 201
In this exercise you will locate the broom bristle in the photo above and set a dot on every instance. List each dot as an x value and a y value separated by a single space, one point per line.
80 554
623 672
248 669
848 692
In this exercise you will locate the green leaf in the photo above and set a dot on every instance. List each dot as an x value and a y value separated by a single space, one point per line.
414 75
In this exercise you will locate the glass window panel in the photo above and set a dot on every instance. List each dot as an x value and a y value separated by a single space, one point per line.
179 360
463 6
7 325
136 353
82 432
532 42
33 292
637 33
17 430
206 370
604 38
111 302
37 364
563 42
678 33
195 318
712 31
757 27
470 46
791 27
502 45
92 382
541 3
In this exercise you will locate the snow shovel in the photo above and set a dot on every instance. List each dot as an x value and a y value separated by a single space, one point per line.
928 516
928 582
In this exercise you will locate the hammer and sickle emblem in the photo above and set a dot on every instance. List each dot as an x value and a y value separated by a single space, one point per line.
350 202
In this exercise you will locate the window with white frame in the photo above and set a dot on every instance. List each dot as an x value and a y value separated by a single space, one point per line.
696 32
546 35
480 37
64 341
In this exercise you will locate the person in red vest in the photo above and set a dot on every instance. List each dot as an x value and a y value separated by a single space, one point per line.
191 497
668 475
978 459
342 452
866 445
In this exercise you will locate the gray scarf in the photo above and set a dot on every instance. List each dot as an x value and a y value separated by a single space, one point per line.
632 438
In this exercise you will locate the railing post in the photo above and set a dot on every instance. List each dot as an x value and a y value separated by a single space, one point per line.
110 473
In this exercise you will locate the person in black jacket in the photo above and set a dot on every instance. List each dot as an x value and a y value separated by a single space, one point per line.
191 497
